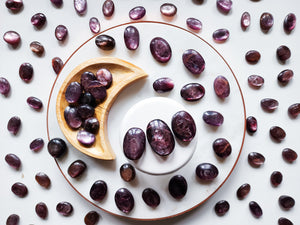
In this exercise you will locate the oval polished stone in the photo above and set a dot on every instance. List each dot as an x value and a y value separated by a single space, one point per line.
43 179
127 172
168 9
289 22
12 37
245 20
134 143
108 8
86 138
284 221
61 32
221 87
269 104
220 35
286 201
224 6
193 61
57 3
14 5
80 6
285 76
57 64
37 48
194 24
124 200
72 117
283 53
131 37
91 218
160 50
251 124
73 92
222 207
86 78
163 84
41 210
4 86
19 189
222 147
98 190
94 25
255 209
14 125
97 90
151 197
26 72
91 125
243 191
38 20
256 81
57 147
183 126
13 219
160 137
252 56
294 110
289 155
277 133
105 42
85 111
276 178
34 103
64 208
207 171
213 118
13 161
178 187
266 21
256 159
192 92
137 13
105 77
76 168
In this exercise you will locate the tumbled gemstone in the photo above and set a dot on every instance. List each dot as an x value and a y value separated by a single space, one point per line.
134 143
213 118
183 126
256 159
73 92
61 32
26 72
108 8
137 13
86 78
255 209
80 6
222 147
256 81
251 124
289 22
38 20
160 50
269 104
178 187
41 210
285 76
86 138
289 155
91 125
94 25
97 90
277 133
194 23
207 171
127 172
252 56
57 3
19 189
72 117
57 147
64 208
168 9
220 35
193 61
276 178
245 20
151 197
85 111
36 145
284 221
14 125
13 219
286 201
34 103
131 37
283 53
105 77
98 190
76 168
91 218
124 200
12 38
266 21
221 87
192 92
224 5
13 160
105 42
222 207
37 48
43 179
57 64
14 5
87 98
294 110
4 86
163 84
160 137
243 191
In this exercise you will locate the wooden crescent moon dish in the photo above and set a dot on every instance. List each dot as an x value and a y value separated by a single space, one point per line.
123 73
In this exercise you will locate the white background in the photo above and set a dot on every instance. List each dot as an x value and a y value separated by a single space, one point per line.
34 123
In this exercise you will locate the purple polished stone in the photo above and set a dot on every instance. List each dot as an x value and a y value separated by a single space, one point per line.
13 160
57 3
193 61
207 171
131 37
276 178
160 50
91 218
137 13
14 124
57 64
127 172
19 189
213 118
224 5
38 20
57 147
255 209
108 8
14 5
86 78
194 24
192 92
72 117
245 20
151 197
284 221
286 202
86 138
85 111
43 179
4 86
97 90
277 133
289 155
105 42
269 104
168 9
222 207
134 143
37 48
289 22
251 124
285 76
178 187
256 159
294 110
221 87
73 92
220 35
91 125
256 81
41 210
76 168
105 77
266 21
124 200
252 56
243 191
163 84
61 32
26 72
35 103
283 53
222 147
36 145
12 38
98 190
183 126
64 208
94 25
13 219
87 98
80 6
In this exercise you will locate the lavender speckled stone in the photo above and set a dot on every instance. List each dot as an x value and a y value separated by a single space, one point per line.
183 126
131 37
256 81
12 37
80 6
213 118
220 35
86 138
221 87
224 6
193 61
108 8
4 86
160 50
61 32
94 25
192 92
194 24
73 92
35 103
168 9
245 20
137 13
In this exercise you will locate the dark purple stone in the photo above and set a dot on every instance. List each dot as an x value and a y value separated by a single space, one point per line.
108 8
105 77
57 64
286 202
284 221
266 21
285 76
207 171
87 98
91 218
94 25
124 200
36 145
168 9
137 13
151 197
245 20
163 84
64 208
222 207
37 48
76 168
57 3
13 219
12 38
256 81
160 137
183 126
13 160
56 147
283 53
289 22
26 72
178 187
222 147
213 118
98 190
97 90
19 189
134 143
277 133
91 125
256 159
105 42
269 104
34 103
192 92
224 6
294 110
41 210
193 61
276 178
160 50
61 32
86 138
251 124
73 92
14 125
221 87
243 191
86 78
127 172
72 117
43 179
194 24
38 20
85 111
80 6
4 86
14 5
255 209
289 155
252 56
220 35
131 37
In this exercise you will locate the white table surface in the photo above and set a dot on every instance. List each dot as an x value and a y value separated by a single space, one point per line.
34 123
